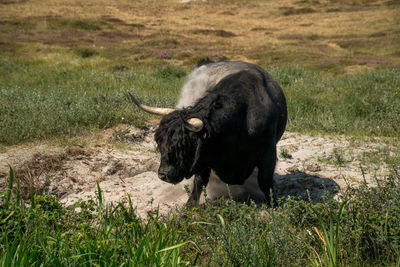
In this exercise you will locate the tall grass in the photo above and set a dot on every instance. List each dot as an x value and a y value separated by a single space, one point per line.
360 229
39 100
47 234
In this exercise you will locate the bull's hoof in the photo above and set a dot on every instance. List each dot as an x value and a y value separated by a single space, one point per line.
191 203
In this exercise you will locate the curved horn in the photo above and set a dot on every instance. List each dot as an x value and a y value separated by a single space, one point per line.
194 124
151 110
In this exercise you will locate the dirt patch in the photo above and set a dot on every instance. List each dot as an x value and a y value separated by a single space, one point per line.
310 167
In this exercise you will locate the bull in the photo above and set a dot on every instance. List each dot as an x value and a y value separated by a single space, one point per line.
229 119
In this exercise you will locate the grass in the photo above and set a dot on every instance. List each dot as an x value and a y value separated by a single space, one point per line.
354 36
362 104
362 228
284 153
40 101
42 232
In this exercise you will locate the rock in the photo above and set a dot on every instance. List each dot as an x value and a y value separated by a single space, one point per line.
314 167
292 169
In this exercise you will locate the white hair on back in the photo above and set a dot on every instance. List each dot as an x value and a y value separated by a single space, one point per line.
204 78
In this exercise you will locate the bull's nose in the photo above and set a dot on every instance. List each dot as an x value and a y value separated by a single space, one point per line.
163 177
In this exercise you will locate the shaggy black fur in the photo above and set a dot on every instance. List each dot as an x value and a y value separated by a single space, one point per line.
244 117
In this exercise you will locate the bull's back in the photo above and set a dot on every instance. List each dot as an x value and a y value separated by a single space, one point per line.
205 77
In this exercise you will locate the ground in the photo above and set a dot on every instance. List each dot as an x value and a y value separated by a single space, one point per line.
124 160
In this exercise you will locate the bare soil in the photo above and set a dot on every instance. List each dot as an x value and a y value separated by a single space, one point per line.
123 160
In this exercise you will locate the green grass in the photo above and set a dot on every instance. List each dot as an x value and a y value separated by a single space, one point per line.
361 104
39 99
362 228
41 232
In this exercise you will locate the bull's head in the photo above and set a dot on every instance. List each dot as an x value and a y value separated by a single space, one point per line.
177 142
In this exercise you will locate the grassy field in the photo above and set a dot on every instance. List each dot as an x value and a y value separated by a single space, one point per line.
326 35
40 101
65 68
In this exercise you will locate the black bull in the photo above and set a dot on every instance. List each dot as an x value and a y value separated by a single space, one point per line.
239 122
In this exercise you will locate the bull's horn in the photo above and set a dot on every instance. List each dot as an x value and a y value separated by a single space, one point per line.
151 110
194 124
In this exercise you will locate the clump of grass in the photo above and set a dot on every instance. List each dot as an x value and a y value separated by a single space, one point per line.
284 153
337 157
85 52
169 72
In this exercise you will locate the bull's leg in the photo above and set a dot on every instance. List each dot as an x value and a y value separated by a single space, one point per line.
266 173
200 180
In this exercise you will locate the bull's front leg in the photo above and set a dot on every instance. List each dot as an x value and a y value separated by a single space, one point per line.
200 180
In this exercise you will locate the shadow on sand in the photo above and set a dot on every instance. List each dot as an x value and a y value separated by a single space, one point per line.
298 184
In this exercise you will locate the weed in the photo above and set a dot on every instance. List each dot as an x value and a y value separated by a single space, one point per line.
337 157
328 240
284 153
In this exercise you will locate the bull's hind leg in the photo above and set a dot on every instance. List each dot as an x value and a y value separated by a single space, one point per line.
266 173
200 180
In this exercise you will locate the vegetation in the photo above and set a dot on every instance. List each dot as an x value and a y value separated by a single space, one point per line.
40 101
61 74
362 228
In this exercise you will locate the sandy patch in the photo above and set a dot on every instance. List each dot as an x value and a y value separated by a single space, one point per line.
72 173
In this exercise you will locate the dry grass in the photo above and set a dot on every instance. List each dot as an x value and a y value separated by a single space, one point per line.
338 36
